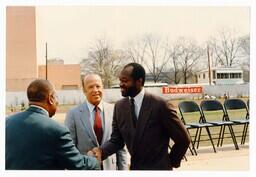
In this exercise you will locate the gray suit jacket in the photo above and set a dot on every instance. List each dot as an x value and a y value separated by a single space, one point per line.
82 133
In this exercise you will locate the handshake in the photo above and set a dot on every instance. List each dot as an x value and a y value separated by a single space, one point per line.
95 152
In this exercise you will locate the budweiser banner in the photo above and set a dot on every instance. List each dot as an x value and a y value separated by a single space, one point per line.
181 90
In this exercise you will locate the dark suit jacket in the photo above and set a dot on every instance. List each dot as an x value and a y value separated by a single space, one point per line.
34 141
148 141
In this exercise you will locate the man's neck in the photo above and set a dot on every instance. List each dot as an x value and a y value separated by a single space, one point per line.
137 92
39 105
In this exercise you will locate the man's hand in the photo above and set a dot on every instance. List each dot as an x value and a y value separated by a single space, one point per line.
90 153
97 153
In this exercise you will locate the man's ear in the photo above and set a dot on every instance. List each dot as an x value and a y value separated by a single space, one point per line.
50 99
139 81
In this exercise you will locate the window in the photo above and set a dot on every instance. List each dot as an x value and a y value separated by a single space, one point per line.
203 76
235 75
222 75
226 75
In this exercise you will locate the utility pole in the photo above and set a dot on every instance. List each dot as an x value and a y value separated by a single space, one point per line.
209 65
46 63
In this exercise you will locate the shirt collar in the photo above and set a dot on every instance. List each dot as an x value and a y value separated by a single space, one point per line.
139 97
91 106
39 107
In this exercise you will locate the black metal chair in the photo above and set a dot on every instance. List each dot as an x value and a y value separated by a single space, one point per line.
219 119
232 105
187 107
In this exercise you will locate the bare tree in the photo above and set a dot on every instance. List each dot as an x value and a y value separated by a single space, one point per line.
151 52
136 51
175 53
187 57
245 44
103 60
157 54
226 48
245 52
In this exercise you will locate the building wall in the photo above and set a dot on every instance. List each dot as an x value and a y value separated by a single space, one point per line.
21 63
63 77
203 80
220 81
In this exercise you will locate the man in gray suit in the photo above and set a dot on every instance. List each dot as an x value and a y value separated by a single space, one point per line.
36 142
90 123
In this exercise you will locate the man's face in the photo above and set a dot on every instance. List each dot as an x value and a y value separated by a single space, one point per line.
127 83
93 89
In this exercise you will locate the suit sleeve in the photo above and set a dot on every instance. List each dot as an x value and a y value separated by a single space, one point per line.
116 141
175 129
70 124
68 155
122 161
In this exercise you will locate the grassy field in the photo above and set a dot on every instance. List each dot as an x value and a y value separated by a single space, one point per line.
192 117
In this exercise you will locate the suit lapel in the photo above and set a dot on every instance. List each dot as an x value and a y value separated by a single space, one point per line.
84 117
107 118
143 117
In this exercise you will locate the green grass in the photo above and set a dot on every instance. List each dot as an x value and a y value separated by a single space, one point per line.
215 115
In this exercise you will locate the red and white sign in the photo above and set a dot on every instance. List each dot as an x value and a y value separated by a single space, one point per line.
182 90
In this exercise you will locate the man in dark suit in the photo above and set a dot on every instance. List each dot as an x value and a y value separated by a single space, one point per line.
145 123
36 142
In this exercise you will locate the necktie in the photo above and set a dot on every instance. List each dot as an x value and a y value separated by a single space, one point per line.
98 125
134 117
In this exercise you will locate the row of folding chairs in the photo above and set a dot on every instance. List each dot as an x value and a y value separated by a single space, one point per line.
207 111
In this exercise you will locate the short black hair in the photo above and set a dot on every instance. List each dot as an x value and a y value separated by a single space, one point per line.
138 72
38 90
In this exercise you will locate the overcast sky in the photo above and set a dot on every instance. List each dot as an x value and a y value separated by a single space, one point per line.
69 30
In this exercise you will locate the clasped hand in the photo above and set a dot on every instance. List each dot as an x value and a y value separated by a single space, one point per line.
95 152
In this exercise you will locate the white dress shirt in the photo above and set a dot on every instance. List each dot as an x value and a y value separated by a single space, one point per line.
39 107
138 101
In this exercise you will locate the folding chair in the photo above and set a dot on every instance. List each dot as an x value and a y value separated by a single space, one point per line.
219 119
187 107
232 105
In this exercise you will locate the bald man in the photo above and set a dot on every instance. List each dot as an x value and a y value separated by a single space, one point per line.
90 123
36 142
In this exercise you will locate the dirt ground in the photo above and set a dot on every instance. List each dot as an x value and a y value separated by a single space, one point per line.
226 158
